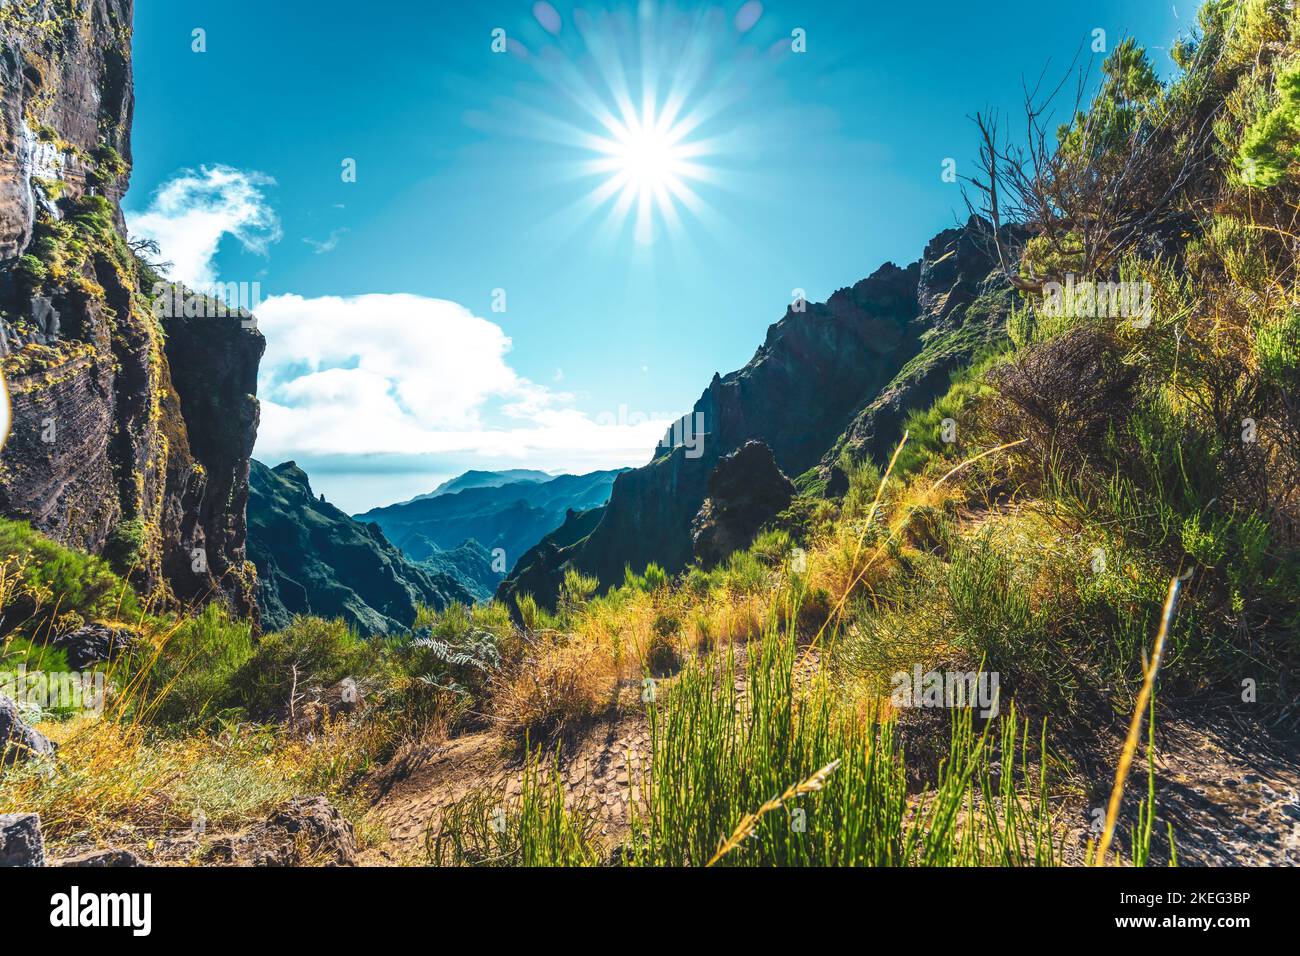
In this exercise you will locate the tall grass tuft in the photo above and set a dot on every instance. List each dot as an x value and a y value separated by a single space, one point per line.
486 828
719 784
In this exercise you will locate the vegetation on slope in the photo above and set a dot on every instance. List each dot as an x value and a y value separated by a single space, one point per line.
1095 458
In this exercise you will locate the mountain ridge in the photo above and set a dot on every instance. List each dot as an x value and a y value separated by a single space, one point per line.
837 358
475 478
312 558
506 519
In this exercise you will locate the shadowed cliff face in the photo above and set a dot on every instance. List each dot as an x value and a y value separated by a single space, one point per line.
838 375
313 559
131 433
964 302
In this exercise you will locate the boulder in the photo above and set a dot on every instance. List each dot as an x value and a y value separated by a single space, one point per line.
21 843
17 740
746 491
95 644
315 820
302 832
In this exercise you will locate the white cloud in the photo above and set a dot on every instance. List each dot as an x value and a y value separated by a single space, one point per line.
191 213
322 246
402 374
383 382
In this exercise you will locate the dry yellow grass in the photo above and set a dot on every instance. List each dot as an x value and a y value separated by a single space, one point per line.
1151 668
114 784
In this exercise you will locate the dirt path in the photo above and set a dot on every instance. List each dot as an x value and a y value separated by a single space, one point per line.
1232 792
599 770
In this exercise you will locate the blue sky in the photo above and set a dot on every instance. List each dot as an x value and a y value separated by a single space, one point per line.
388 368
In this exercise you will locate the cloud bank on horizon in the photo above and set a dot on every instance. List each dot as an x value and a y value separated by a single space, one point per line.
380 394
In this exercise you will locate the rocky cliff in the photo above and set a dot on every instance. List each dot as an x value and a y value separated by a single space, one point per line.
312 558
963 301
829 378
131 432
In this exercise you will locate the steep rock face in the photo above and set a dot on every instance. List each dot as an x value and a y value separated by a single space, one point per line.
130 433
65 91
837 377
746 490
964 302
312 558
814 368
797 394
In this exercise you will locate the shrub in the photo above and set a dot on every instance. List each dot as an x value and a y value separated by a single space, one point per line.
124 548
45 579
558 683
458 649
661 655
189 681
310 652
1062 396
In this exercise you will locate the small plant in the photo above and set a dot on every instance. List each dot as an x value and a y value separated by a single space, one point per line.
661 656
488 828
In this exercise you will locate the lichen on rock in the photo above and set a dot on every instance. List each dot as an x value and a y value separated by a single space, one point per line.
126 428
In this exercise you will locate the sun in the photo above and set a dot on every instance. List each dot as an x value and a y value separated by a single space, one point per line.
647 162
650 104
648 158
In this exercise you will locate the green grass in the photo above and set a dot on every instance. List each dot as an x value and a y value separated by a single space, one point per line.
485 828
43 579
190 680
714 762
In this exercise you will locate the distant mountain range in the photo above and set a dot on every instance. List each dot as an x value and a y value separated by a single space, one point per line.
491 509
312 558
483 479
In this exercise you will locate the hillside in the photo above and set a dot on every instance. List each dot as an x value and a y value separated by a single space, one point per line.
313 559
511 516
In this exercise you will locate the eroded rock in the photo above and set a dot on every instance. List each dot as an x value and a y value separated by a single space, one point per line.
304 831
95 644
746 491
20 840
18 741
103 858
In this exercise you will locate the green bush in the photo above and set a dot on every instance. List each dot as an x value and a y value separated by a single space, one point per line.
191 679
56 580
125 547
457 649
310 652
